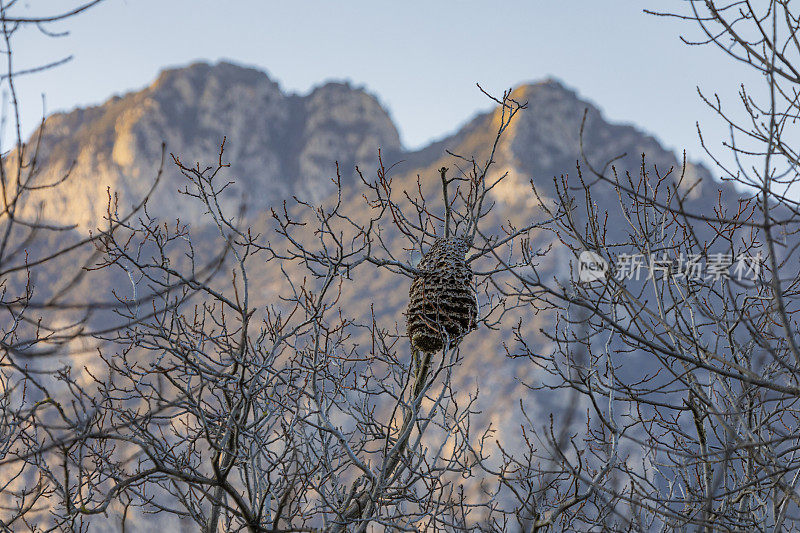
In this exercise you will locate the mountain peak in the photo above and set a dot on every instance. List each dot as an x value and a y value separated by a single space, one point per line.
200 70
278 144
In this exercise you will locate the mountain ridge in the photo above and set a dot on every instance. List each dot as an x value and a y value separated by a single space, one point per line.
282 144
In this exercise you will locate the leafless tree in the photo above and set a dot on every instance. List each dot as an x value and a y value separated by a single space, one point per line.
299 416
199 402
45 268
676 376
682 373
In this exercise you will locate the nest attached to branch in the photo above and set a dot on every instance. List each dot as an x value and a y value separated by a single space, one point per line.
443 306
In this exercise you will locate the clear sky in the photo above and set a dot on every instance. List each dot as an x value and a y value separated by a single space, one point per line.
421 57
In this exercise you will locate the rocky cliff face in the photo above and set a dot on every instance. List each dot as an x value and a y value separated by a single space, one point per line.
278 144
544 142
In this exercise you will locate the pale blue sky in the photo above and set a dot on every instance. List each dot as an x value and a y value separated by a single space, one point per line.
422 58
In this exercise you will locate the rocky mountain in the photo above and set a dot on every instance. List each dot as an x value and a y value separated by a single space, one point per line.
280 144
